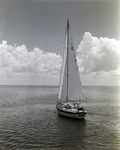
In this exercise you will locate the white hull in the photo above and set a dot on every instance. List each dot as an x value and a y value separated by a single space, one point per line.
70 114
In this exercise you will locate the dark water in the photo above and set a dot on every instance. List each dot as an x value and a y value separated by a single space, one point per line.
29 121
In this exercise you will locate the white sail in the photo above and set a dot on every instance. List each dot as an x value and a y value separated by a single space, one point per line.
62 88
70 84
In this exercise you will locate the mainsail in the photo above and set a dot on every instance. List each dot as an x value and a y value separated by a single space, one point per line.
70 84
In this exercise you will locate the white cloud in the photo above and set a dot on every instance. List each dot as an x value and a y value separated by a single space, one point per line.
98 61
17 62
99 57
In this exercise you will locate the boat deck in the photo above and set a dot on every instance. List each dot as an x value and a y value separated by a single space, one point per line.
70 107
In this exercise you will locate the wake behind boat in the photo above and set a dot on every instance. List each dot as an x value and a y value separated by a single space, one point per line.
70 89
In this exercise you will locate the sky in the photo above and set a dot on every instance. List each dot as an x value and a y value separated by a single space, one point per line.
32 34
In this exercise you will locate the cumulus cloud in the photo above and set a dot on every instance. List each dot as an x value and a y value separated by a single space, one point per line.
99 56
17 61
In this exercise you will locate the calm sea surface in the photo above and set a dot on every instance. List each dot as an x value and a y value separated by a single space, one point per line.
29 120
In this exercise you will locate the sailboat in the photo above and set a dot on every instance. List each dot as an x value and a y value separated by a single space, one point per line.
70 89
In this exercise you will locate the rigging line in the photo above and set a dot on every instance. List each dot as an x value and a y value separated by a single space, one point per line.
67 56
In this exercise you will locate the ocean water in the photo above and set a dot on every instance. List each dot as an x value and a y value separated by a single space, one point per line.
29 120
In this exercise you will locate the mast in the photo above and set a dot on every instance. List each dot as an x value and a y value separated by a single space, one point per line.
67 56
